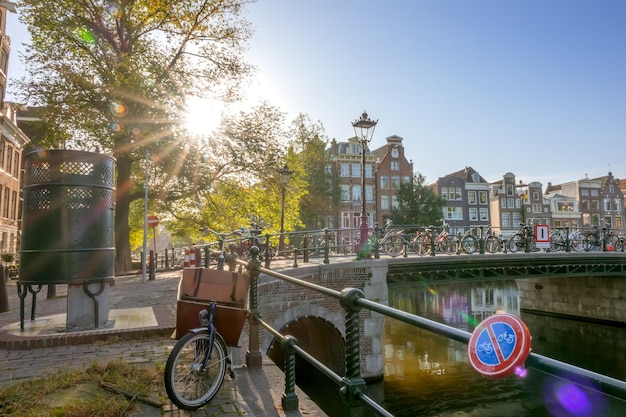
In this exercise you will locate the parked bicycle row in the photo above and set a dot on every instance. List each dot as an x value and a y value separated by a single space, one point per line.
395 240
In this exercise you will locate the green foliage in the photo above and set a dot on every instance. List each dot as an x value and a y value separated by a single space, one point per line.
321 197
115 77
417 203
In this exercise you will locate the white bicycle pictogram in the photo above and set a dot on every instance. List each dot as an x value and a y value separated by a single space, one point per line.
485 346
507 337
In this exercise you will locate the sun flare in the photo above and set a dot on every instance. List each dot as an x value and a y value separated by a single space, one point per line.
203 115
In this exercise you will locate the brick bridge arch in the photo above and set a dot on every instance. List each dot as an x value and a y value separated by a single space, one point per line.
285 305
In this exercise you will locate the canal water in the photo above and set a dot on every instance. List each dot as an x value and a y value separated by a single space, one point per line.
429 375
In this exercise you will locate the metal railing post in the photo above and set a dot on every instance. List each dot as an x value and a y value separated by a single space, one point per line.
352 384
268 251
433 237
481 241
326 246
253 356
289 398
305 249
567 240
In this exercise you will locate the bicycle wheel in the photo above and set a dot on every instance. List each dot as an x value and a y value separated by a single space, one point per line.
516 242
469 244
556 242
589 242
393 245
577 244
192 379
423 245
492 244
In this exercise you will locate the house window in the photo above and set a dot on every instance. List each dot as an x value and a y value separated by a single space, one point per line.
473 214
509 190
484 214
510 202
384 182
395 165
617 204
453 213
451 193
482 197
356 194
345 170
384 202
595 205
584 192
369 193
395 182
9 159
585 204
535 195
471 197
503 203
517 218
5 208
345 193
586 219
618 222
14 205
607 204
611 189
594 193
394 202
506 219
345 220
356 170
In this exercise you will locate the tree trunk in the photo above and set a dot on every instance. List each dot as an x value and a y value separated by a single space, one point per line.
122 209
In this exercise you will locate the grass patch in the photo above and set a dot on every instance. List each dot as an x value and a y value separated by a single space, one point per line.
79 393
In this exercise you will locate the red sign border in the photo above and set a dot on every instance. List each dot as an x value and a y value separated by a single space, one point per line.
518 356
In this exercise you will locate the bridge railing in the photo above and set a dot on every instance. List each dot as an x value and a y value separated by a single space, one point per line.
326 243
352 386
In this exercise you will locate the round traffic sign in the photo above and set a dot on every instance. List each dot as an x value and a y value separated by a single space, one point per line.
153 221
499 345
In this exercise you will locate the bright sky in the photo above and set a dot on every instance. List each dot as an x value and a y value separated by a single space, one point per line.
532 87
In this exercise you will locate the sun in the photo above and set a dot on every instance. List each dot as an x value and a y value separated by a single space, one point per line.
203 115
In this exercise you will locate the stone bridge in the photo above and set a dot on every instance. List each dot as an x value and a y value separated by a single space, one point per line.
588 286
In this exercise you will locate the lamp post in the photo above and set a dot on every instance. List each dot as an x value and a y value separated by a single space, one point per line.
364 131
285 174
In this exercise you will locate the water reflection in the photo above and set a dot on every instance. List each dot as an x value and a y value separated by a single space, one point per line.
429 375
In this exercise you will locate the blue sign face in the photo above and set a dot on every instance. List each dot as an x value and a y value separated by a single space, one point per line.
487 352
499 345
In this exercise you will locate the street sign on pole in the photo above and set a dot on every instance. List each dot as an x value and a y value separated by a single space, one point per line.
153 221
542 236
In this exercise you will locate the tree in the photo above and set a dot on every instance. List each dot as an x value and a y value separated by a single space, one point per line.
320 200
417 203
115 76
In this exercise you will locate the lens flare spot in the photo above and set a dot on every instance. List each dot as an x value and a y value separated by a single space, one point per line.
574 400
116 127
521 371
136 131
114 10
118 109
86 36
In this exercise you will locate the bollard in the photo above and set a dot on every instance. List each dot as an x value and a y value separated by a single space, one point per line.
151 267
4 295
295 257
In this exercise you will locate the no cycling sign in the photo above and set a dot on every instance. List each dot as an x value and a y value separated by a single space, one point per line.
499 346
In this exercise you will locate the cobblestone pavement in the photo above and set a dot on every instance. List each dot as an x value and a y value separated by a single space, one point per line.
251 393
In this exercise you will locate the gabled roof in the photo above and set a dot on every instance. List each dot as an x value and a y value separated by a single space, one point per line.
466 175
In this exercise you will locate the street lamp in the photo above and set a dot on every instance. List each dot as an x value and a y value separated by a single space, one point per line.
285 174
364 131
